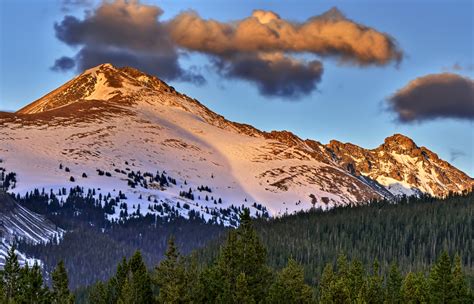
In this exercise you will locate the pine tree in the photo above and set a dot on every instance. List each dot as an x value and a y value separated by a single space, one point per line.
242 253
326 285
33 289
374 290
11 275
289 286
415 289
394 285
460 289
170 276
60 287
242 291
356 280
126 295
192 273
340 288
116 283
139 280
99 294
440 280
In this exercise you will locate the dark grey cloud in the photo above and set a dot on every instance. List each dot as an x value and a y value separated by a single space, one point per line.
124 34
63 64
434 96
274 74
262 48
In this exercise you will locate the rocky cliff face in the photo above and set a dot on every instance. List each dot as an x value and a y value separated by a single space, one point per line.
403 167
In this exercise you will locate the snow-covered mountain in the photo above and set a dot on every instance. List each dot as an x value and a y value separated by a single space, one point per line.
17 222
103 127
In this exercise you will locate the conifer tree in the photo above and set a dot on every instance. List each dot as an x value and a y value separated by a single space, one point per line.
99 294
242 253
60 286
242 291
170 276
116 283
374 290
11 275
415 288
326 285
460 289
440 280
356 279
32 286
394 285
290 287
139 280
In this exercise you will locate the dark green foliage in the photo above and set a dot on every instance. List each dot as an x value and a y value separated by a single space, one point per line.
130 284
60 293
242 260
460 290
412 232
170 276
394 285
441 280
11 275
241 274
26 285
290 287
415 288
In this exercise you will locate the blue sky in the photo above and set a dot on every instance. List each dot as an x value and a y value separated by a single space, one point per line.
349 102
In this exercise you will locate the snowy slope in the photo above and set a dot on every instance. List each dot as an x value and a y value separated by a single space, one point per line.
17 222
121 120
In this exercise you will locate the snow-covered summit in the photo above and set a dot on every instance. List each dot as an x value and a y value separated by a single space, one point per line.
119 120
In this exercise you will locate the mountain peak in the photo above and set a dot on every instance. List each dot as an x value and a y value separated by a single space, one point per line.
399 142
104 82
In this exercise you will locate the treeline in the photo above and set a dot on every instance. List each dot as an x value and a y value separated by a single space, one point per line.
413 232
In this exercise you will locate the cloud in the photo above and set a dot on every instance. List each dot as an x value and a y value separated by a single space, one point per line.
123 33
455 154
434 96
263 49
259 48
274 74
328 35
63 64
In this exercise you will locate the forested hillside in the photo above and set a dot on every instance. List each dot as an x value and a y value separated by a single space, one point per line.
241 274
412 233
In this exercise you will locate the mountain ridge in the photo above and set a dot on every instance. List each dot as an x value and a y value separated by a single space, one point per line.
108 116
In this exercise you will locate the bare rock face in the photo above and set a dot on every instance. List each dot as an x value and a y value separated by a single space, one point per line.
109 116
400 161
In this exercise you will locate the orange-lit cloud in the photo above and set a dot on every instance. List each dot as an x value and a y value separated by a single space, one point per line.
263 48
330 34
